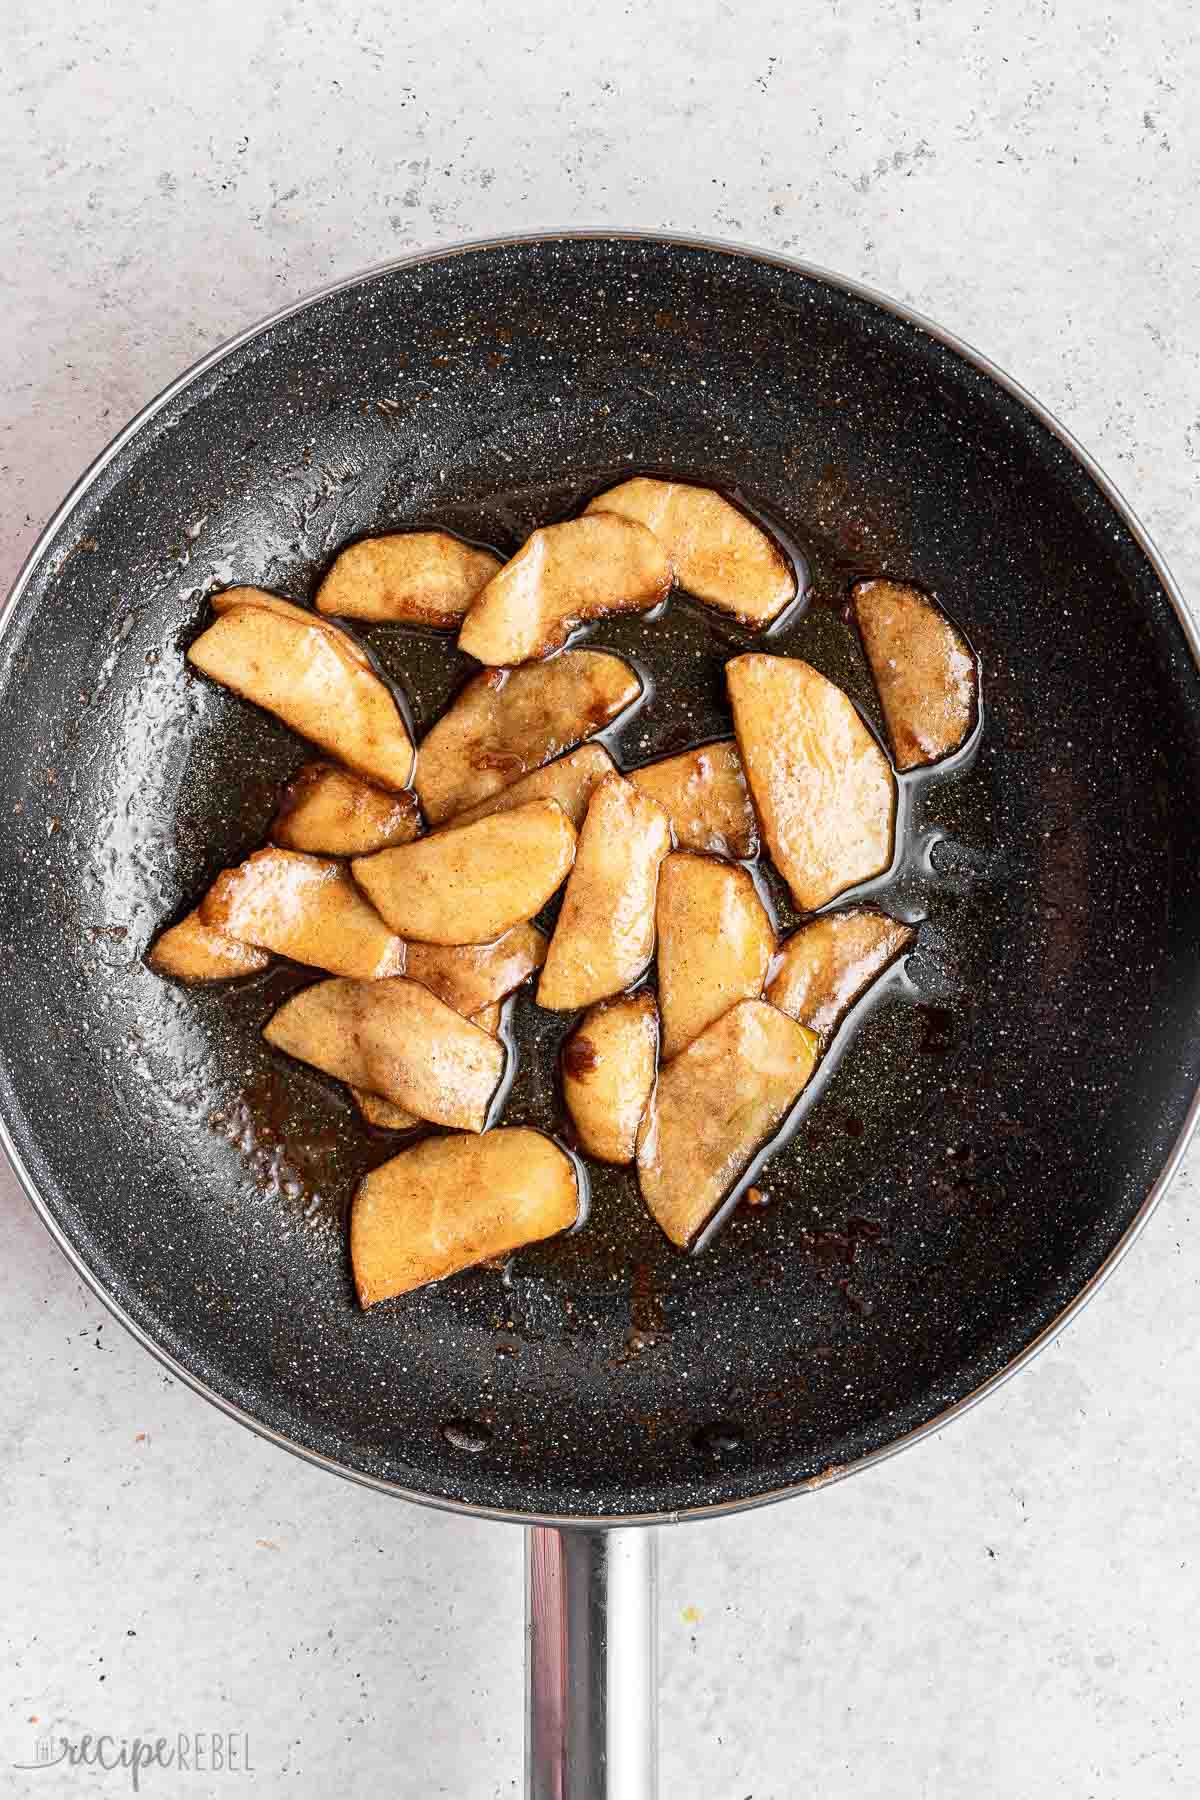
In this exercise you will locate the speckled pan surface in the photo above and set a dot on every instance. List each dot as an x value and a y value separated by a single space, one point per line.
997 1118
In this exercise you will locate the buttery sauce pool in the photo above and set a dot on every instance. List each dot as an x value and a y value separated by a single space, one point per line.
302 1138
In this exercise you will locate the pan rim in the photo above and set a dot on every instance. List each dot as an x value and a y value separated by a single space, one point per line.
1112 494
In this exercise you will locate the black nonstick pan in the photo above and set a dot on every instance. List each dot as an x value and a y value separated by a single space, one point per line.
986 1136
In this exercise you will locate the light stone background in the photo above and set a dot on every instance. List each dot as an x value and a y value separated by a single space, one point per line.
1010 1612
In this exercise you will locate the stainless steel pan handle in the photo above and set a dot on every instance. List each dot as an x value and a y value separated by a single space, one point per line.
591 1664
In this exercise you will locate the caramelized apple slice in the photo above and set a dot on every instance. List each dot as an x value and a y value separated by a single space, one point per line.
470 976
828 963
329 812
412 577
714 1108
193 951
704 794
451 1202
305 907
822 787
232 599
608 1065
310 675
561 577
719 554
396 1039
572 781
715 944
472 883
923 667
385 1115
605 932
506 722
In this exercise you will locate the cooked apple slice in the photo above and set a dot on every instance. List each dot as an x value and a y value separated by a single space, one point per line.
451 1202
231 599
823 788
704 794
561 577
309 674
193 951
719 555
714 1108
605 932
572 781
396 1039
923 667
305 907
506 722
828 963
471 884
470 976
329 812
412 577
385 1115
715 943
608 1065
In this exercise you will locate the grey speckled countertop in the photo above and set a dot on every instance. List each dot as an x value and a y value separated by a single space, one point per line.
1008 1612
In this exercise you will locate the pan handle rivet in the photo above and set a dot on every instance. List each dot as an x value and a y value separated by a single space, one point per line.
467 1434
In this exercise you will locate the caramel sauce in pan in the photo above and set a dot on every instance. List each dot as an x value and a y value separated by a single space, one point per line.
304 1142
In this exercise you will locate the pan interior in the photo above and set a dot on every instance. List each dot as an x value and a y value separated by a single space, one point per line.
981 1138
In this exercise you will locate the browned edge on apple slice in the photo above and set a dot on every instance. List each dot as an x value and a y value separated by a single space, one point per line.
311 675
396 1039
822 787
925 671
704 794
719 554
715 1107
469 977
570 779
305 907
604 937
385 1115
470 884
507 722
825 965
715 944
328 811
193 951
451 1202
407 577
232 599
563 576
608 1069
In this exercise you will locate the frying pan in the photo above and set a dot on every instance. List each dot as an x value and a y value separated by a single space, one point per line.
985 1137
